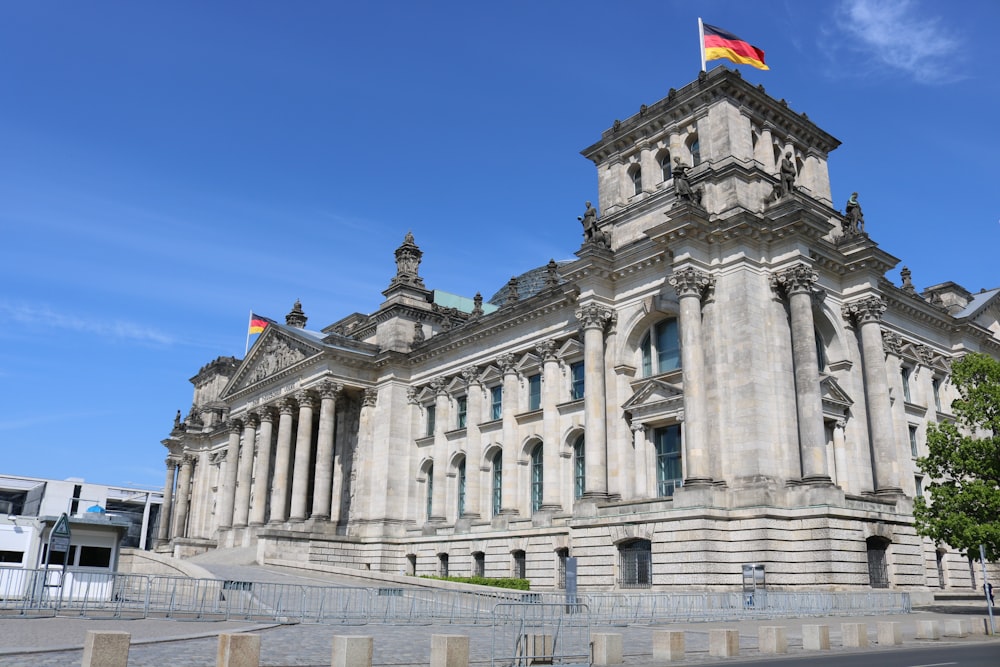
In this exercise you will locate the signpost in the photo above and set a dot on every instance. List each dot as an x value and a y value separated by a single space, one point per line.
59 539
986 589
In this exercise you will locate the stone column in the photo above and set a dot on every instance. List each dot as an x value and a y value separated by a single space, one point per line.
797 282
473 441
282 461
550 426
183 493
439 512
241 509
690 284
593 318
224 517
510 501
261 480
867 313
839 453
163 529
302 469
328 392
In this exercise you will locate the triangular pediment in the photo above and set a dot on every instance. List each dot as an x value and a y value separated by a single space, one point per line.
653 392
274 354
834 396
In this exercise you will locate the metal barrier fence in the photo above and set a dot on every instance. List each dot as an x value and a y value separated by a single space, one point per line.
112 595
533 633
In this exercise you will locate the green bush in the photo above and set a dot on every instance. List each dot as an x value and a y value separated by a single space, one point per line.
506 582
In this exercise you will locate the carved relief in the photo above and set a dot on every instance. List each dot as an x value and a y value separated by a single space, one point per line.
891 341
369 397
276 355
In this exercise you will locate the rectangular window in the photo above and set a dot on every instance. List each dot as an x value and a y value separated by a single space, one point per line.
669 477
463 409
431 418
497 481
918 486
635 564
905 372
520 566
668 347
461 489
479 564
936 385
11 556
576 376
496 402
95 557
534 392
913 441
561 555
579 468
536 479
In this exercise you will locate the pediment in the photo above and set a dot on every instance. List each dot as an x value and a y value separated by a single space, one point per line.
834 396
571 348
654 394
274 353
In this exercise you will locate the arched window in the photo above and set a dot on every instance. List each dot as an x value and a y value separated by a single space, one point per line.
442 565
579 468
820 352
635 173
695 147
461 488
520 564
666 169
669 476
478 564
635 566
430 488
497 487
878 570
536 478
661 348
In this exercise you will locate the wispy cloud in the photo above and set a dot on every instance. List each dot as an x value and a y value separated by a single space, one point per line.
898 34
46 318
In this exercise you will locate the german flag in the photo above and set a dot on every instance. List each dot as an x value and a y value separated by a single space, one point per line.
725 45
257 324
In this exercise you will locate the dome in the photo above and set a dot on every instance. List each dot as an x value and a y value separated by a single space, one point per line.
529 283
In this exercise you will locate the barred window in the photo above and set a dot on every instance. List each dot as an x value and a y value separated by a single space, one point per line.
497 482
520 566
635 564
536 478
878 571
461 488
579 468
478 564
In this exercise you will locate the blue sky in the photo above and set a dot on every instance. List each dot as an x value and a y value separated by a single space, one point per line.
166 167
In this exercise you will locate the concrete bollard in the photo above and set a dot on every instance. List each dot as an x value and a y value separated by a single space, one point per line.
723 643
238 649
535 649
928 630
106 649
854 635
889 633
772 639
449 651
351 651
668 645
607 648
816 637
955 628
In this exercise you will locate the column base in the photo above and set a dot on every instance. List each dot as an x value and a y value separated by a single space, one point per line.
698 482
594 495
818 480
510 511
889 491
319 517
550 508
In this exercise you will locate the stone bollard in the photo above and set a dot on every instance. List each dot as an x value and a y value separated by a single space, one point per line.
955 628
351 651
928 630
668 645
607 648
535 649
889 633
106 649
723 643
772 639
238 649
816 637
449 651
854 635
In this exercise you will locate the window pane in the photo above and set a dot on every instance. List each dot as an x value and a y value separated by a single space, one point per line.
496 402
579 468
647 355
668 349
576 372
497 482
536 479
463 408
534 392
461 488
430 489
668 459
95 556
431 416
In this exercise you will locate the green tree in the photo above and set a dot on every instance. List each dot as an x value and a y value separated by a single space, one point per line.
963 461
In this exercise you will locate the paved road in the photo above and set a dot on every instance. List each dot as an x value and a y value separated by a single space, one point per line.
58 642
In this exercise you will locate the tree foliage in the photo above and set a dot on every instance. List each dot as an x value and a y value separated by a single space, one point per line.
963 462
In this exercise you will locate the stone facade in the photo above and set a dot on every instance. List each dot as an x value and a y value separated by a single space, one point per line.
724 375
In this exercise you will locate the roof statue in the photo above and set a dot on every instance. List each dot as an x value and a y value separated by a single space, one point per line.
592 233
854 219
682 186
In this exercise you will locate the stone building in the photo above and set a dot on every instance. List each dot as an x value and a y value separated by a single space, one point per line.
725 374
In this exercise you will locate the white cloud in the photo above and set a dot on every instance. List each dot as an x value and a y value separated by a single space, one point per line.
44 317
898 35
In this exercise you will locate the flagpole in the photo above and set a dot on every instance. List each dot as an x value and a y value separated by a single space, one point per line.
249 322
701 42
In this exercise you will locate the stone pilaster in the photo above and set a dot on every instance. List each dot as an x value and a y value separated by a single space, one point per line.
183 496
328 392
473 441
690 285
798 283
163 528
550 425
642 485
593 319
441 401
867 314
224 518
282 462
261 485
510 500
241 507
302 468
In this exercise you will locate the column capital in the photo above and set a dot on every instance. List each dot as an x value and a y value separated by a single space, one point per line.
171 464
547 350
369 397
840 423
506 363
287 405
235 426
266 414
865 310
690 281
637 426
306 399
411 395
798 279
328 389
593 316
891 341
188 460
439 386
924 354
252 420
472 375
